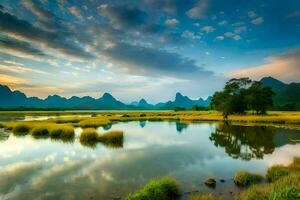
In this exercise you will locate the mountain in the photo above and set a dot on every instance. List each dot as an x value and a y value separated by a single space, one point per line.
287 96
15 99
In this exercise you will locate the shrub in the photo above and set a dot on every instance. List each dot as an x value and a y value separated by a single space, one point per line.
276 172
203 197
243 178
21 128
39 131
160 189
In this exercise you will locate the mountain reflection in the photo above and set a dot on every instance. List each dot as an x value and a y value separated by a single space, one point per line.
244 142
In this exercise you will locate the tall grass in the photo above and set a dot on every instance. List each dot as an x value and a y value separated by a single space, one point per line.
243 178
21 129
40 131
89 137
94 122
62 132
112 139
160 189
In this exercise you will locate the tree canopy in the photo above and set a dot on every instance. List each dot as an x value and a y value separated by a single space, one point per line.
242 94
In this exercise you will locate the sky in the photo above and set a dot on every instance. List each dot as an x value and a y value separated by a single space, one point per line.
145 48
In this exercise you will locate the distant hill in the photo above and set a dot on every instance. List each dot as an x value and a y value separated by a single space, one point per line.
15 99
287 96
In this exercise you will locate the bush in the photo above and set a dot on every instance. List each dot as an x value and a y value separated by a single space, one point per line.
243 178
276 172
40 131
160 189
21 128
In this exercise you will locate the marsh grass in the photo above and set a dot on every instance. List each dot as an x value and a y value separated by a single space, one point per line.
71 120
243 178
2 125
276 172
21 129
160 189
113 139
203 197
39 132
89 137
62 132
94 122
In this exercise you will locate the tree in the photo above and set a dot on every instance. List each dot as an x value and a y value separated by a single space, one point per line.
260 97
241 94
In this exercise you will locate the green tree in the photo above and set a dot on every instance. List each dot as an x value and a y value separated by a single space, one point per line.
260 97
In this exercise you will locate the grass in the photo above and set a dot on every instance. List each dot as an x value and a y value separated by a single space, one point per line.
243 178
20 129
40 131
276 172
62 131
159 189
112 138
2 125
89 137
203 197
94 122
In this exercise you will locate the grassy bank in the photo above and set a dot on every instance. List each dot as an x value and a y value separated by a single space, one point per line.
282 182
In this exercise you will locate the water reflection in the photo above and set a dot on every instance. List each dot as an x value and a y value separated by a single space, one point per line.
181 126
107 127
56 170
3 135
142 123
248 142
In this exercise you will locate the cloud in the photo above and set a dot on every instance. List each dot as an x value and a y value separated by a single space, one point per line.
123 16
40 12
220 37
240 29
285 67
20 69
190 35
199 10
223 22
236 37
76 12
208 29
23 30
152 61
171 22
228 34
19 48
257 21
252 14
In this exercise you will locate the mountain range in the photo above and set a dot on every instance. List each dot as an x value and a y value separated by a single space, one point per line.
15 99
287 96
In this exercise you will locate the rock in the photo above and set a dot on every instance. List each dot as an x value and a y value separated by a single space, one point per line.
210 182
222 180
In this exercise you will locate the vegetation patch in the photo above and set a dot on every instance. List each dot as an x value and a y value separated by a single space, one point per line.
62 131
276 172
160 189
89 137
203 197
94 122
112 138
21 129
243 178
40 131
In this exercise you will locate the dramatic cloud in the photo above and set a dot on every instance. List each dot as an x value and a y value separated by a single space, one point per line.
22 29
21 48
284 67
38 11
152 61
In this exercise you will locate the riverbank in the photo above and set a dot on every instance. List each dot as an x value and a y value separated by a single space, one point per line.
101 118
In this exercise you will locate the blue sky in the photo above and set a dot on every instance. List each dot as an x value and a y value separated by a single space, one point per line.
146 48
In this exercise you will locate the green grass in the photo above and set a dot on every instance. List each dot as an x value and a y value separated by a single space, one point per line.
62 131
203 197
89 137
40 131
21 128
276 172
94 122
160 189
112 139
243 178
2 125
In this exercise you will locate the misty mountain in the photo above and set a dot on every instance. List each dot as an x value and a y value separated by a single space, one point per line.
287 96
15 99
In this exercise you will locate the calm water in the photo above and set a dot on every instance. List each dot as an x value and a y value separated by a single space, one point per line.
46 169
